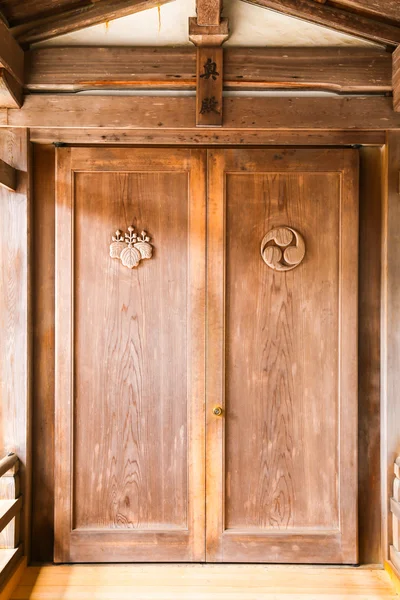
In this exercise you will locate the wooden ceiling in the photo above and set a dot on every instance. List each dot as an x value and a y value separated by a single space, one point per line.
36 20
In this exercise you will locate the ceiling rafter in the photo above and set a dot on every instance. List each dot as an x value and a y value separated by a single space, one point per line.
79 17
332 14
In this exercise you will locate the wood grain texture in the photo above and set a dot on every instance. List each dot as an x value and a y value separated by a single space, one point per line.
396 79
15 315
43 353
11 95
270 341
369 388
9 490
137 384
11 54
209 101
390 338
204 582
77 17
336 18
381 9
160 113
8 176
341 70
208 12
196 137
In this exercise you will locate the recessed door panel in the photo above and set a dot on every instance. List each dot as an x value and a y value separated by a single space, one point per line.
130 355
282 356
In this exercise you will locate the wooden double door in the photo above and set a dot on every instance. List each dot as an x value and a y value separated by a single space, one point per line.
206 355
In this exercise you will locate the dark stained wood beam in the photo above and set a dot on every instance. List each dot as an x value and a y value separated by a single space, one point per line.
396 79
336 18
81 17
386 10
362 113
8 176
11 54
342 70
209 12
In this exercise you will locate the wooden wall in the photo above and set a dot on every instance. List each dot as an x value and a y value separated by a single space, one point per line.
369 344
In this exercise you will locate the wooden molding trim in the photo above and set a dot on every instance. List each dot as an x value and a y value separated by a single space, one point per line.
80 17
208 35
8 176
178 113
11 54
351 23
392 567
341 70
396 79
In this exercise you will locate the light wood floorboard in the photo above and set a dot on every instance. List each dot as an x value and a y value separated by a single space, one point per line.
202 582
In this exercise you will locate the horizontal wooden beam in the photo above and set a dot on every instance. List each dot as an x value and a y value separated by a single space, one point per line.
10 558
335 18
11 54
341 70
80 16
207 137
379 9
177 113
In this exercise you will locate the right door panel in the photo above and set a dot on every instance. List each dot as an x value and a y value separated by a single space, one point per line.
282 356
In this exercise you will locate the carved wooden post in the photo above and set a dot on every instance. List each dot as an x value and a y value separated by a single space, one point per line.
209 37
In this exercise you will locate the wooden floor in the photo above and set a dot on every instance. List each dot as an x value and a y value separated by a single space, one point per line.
201 582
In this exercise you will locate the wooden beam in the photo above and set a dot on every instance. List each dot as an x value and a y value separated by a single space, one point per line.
335 18
11 54
208 12
8 176
208 35
342 70
379 9
80 17
209 102
11 95
15 299
9 461
396 79
208 137
177 113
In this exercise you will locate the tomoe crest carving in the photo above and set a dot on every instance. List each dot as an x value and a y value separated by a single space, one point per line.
283 248
130 248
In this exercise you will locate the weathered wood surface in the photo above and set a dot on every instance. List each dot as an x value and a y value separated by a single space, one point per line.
207 137
208 12
264 340
380 9
77 17
11 95
208 35
209 101
390 333
15 317
341 70
11 54
8 176
178 113
335 18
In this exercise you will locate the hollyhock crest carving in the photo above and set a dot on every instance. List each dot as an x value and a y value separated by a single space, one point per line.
130 248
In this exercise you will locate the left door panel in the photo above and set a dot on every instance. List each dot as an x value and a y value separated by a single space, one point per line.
129 436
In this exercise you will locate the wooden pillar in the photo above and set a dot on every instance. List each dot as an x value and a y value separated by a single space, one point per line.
390 333
15 325
396 79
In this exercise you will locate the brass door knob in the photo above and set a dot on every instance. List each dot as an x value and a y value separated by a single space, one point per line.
217 411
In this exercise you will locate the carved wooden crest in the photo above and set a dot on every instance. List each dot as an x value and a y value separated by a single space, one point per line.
283 248
130 248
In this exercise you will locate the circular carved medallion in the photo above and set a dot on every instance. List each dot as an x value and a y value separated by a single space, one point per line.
283 248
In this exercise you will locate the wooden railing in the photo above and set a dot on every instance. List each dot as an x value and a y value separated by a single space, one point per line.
11 550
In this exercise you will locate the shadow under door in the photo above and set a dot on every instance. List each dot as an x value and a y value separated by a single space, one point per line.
218 426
